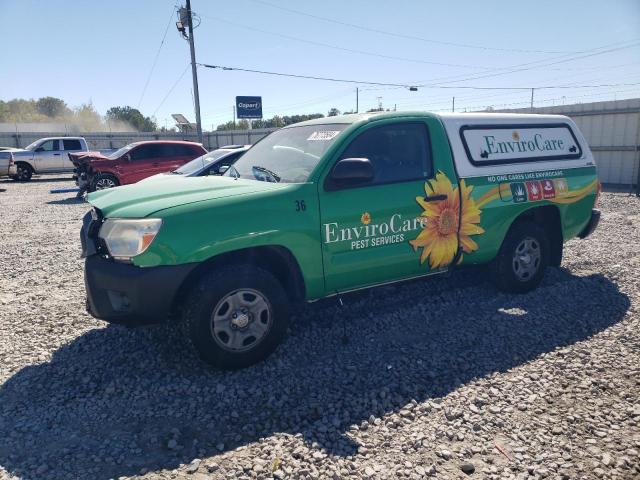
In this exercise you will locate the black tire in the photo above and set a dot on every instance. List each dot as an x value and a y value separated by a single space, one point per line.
213 293
24 172
103 181
523 258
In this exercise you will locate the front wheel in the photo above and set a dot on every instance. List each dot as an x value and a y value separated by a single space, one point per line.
103 181
523 258
236 316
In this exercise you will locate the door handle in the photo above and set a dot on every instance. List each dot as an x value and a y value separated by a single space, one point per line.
57 154
155 164
435 198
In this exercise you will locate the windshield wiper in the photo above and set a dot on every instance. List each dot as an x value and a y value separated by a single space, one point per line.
267 171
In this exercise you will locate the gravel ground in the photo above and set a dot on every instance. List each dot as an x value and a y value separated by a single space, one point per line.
440 377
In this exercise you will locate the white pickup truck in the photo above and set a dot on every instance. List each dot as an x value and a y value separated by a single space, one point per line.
46 155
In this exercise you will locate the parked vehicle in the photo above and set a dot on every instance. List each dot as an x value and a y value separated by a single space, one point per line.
7 164
333 205
215 162
131 163
46 155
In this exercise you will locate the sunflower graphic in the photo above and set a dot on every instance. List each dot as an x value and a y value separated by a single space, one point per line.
515 135
438 238
365 218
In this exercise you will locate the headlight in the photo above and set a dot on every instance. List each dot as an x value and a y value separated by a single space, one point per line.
126 238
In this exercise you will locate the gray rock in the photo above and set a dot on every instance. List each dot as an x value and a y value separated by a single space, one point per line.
193 466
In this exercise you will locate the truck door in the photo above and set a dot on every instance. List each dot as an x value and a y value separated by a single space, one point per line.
370 232
47 156
69 145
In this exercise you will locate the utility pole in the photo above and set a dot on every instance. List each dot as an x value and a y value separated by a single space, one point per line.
194 68
453 104
357 103
234 117
532 99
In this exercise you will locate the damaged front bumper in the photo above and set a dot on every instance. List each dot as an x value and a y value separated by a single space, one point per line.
124 293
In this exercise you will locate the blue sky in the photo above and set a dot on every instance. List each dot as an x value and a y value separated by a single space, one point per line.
103 51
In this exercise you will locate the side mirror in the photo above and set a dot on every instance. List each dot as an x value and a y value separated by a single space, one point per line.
352 171
39 149
127 157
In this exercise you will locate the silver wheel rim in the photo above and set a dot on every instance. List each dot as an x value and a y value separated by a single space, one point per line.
23 174
241 320
105 183
526 259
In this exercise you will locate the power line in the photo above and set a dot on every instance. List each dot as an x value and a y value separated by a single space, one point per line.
362 82
171 89
343 49
400 35
497 71
534 64
541 63
155 60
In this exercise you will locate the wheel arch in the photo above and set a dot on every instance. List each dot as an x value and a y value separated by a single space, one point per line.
27 163
96 174
276 259
106 171
549 218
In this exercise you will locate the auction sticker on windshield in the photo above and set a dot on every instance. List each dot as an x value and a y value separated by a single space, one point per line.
324 135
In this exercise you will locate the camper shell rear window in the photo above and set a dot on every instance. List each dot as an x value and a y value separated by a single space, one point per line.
519 143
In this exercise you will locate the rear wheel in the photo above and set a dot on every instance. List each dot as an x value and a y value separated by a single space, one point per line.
236 316
24 172
523 258
103 181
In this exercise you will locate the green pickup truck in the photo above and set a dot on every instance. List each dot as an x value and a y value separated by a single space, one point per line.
334 205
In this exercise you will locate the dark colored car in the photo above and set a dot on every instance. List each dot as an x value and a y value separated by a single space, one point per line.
96 171
216 162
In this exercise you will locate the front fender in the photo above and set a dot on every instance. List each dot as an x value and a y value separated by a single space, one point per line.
195 233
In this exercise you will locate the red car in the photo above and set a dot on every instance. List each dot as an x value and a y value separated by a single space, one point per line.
95 171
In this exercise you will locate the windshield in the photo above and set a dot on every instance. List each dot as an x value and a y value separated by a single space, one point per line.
121 151
32 146
201 162
288 155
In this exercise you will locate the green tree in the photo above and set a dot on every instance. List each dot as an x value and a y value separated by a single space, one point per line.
333 112
275 122
52 107
133 117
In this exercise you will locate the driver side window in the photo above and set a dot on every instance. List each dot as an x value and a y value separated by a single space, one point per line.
50 146
398 152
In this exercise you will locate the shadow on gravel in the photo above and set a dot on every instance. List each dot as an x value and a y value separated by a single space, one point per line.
67 201
106 404
38 179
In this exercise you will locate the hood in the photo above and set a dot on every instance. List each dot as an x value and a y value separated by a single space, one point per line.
160 177
19 152
142 199
83 157
13 150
